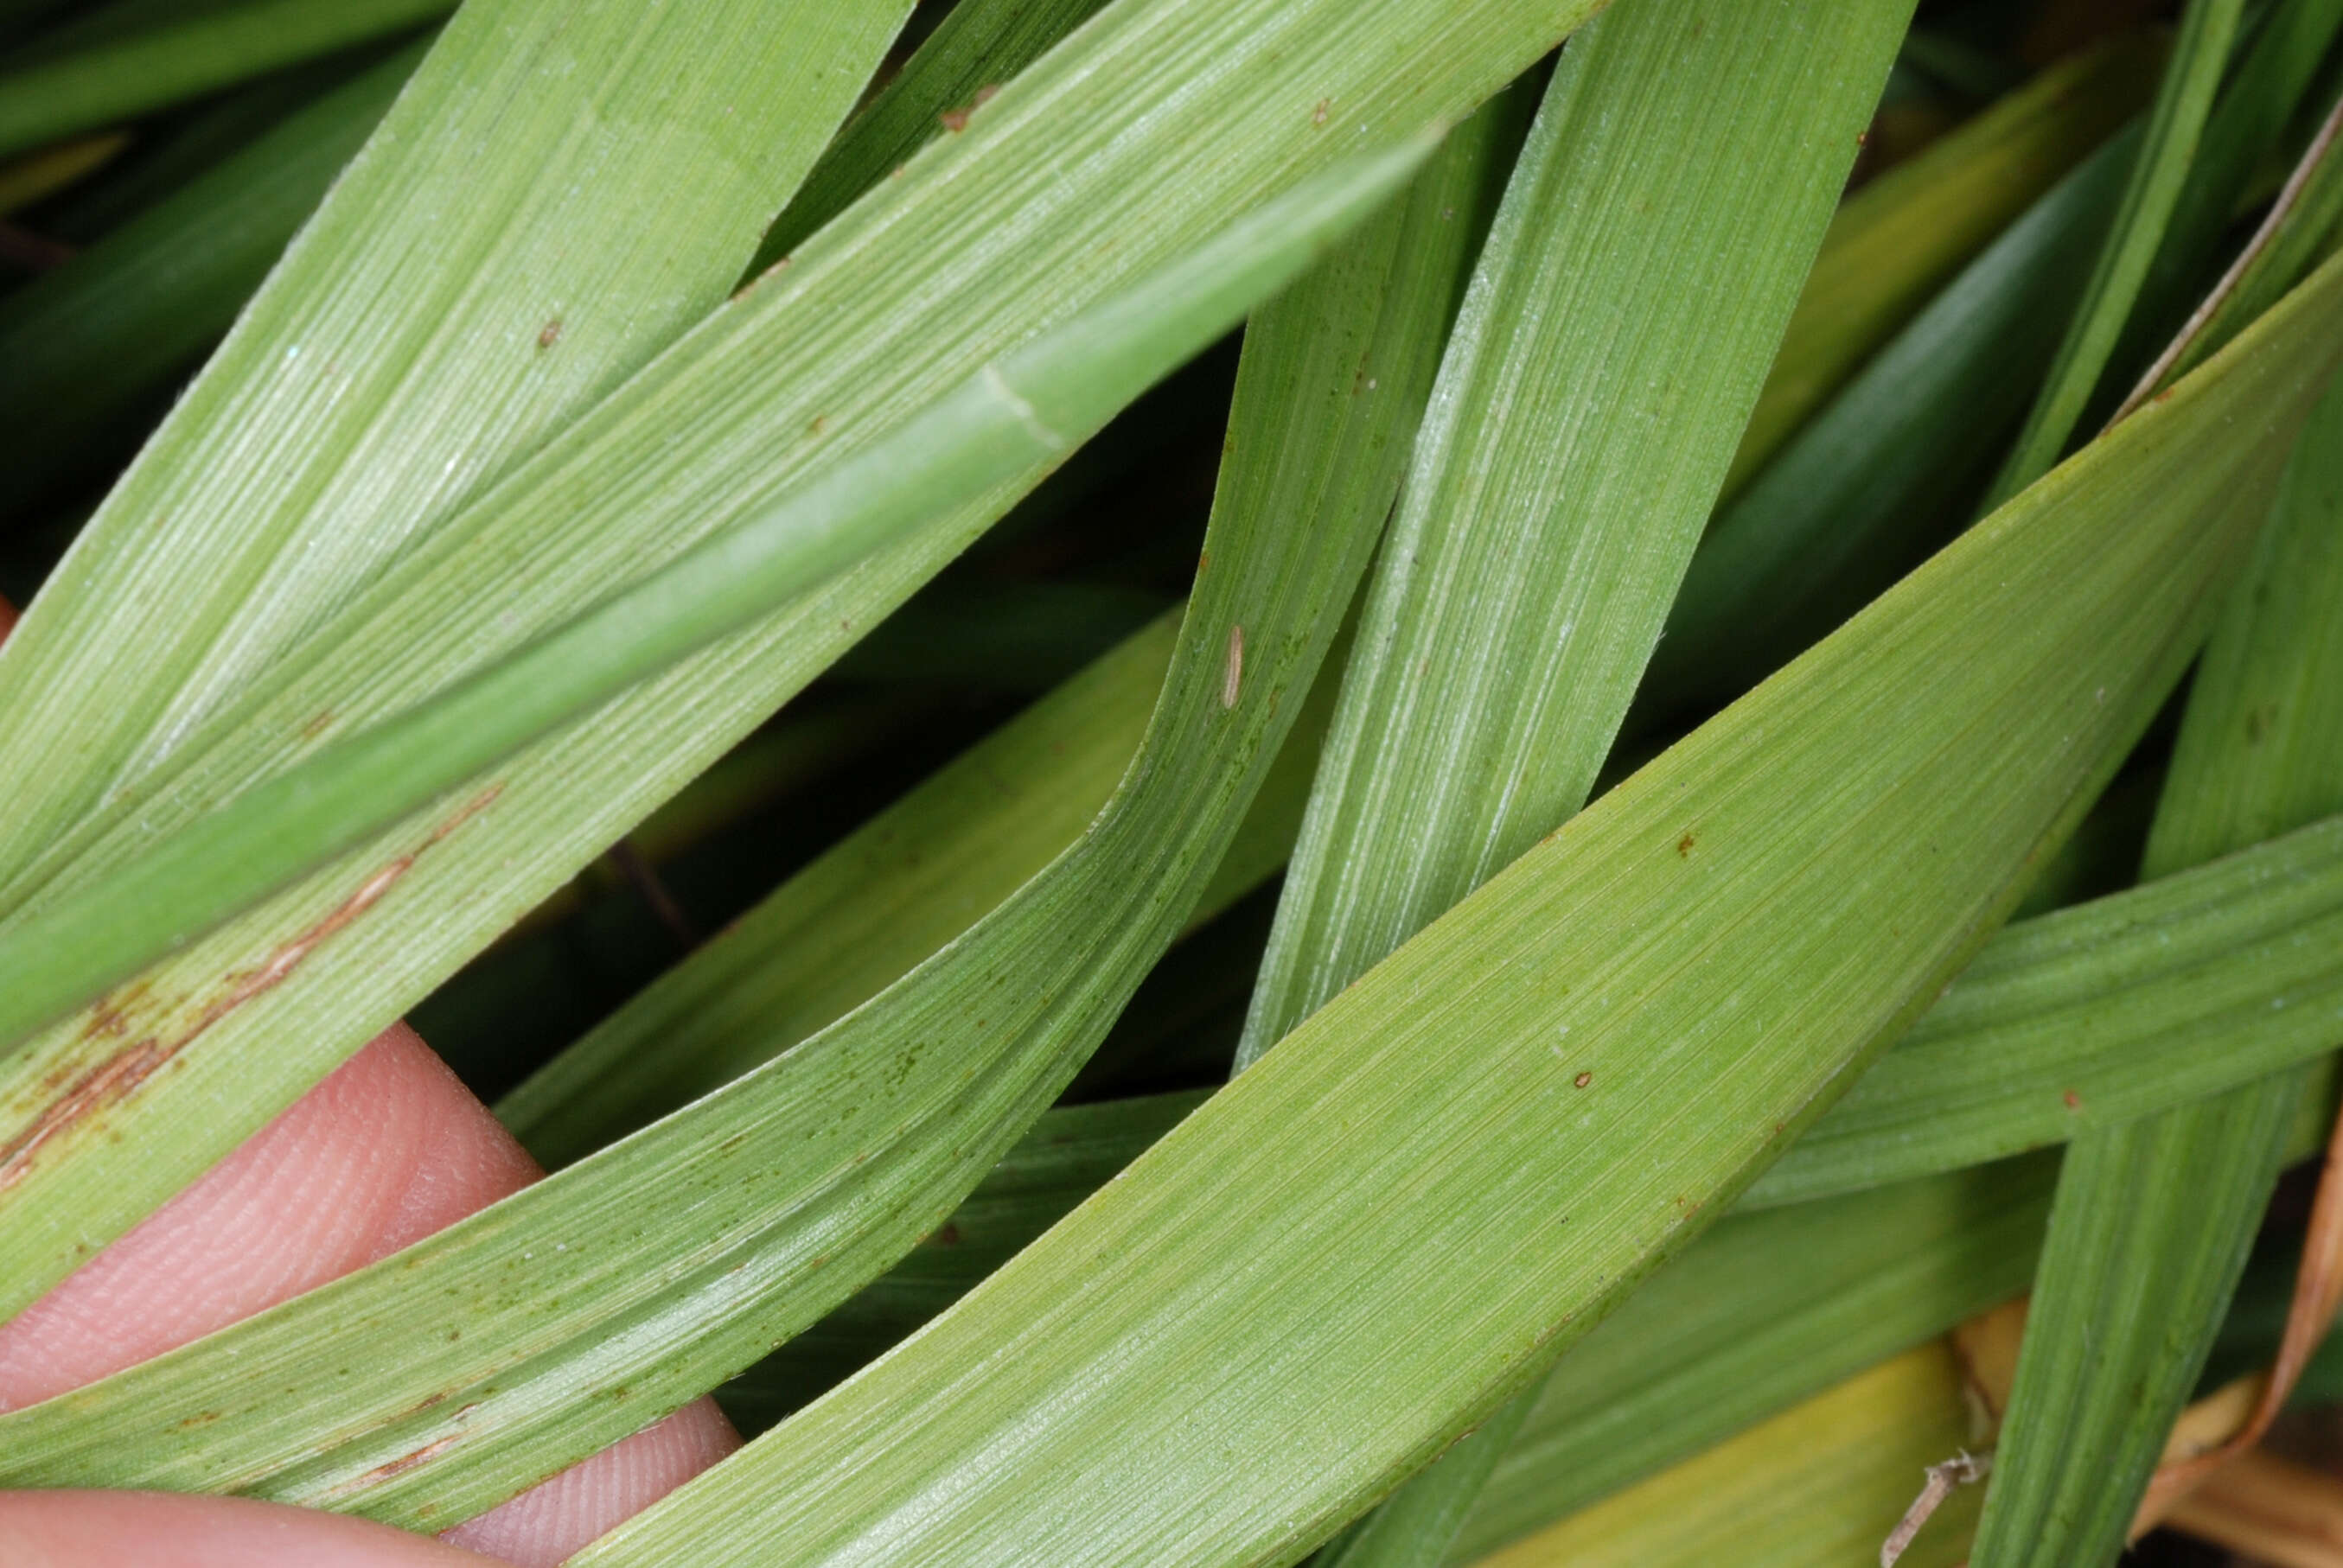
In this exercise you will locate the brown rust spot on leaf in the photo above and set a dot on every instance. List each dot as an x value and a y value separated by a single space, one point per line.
109 1018
1683 846
114 1079
101 1086
396 1467
550 334
1582 1080
956 120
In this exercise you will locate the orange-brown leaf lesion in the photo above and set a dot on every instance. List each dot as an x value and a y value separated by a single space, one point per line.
109 1081
118 1076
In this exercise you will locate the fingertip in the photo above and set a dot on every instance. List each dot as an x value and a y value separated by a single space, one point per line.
549 1521
158 1530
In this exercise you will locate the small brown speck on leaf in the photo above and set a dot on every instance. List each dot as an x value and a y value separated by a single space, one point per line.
821 422
1318 115
550 334
1683 846
947 1237
1582 1080
956 120
2074 1101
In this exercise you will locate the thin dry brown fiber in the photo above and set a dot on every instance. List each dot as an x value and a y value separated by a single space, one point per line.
2191 1488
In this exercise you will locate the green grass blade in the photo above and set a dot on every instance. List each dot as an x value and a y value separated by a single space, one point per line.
1759 1313
139 56
2247 123
1723 1337
2154 1216
2200 56
665 461
669 1261
1073 1150
911 880
1736 1321
86 345
2086 1019
1858 494
2116 1003
1026 410
2304 229
1900 238
921 874
436 320
1547 515
915 876
978 45
1562 482
1886 791
1420 1523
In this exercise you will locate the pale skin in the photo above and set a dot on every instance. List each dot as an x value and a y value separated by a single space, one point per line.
388 1150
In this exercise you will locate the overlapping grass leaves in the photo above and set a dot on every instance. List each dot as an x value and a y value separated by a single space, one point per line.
538 1330
1725 937
809 365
